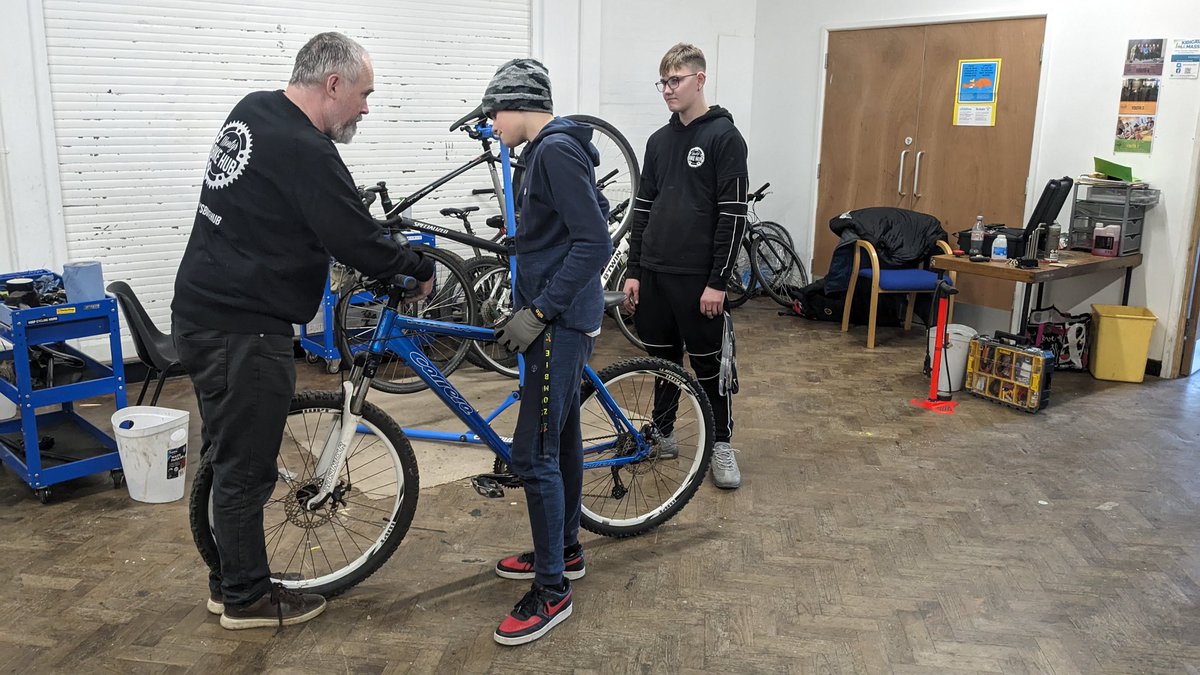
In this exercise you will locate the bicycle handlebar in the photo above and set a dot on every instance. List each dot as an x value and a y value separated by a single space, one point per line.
758 194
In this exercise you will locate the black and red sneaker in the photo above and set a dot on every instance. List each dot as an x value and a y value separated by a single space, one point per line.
540 610
521 566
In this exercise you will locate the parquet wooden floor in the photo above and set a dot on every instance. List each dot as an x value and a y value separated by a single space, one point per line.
868 537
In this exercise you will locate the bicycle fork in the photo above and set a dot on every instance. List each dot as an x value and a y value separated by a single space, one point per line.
333 455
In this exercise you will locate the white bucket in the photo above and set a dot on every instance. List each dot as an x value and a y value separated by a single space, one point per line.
8 409
953 369
152 443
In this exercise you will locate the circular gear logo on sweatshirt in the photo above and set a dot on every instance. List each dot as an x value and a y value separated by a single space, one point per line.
695 157
229 155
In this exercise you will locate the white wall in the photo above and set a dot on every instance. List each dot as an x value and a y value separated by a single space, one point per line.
1084 47
613 48
31 219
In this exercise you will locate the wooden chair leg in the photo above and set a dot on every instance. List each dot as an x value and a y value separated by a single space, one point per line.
871 321
912 301
849 299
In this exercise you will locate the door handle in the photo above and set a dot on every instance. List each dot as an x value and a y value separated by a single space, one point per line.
917 175
900 174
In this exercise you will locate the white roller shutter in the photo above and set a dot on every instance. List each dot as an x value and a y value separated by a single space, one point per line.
139 90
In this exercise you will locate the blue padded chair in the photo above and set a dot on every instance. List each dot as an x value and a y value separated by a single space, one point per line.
910 281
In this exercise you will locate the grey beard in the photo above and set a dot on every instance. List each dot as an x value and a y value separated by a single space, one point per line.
343 134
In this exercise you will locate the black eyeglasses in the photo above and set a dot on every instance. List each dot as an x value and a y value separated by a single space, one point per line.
673 82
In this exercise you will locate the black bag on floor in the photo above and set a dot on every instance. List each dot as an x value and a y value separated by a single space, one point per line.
815 303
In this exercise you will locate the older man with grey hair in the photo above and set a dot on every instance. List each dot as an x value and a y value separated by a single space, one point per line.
277 201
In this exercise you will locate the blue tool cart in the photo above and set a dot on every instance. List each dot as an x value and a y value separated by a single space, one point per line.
48 447
322 345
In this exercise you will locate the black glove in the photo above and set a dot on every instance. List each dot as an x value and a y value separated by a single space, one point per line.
520 330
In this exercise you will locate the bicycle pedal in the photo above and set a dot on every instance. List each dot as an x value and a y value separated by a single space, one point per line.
487 486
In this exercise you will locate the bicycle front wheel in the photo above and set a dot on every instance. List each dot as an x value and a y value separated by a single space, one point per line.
493 293
778 268
661 400
618 172
742 283
332 548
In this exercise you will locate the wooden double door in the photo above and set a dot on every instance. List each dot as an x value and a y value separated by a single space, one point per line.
889 139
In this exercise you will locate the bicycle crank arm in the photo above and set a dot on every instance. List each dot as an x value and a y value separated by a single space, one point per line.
330 464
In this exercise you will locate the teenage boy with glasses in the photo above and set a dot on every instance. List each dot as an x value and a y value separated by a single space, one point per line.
688 222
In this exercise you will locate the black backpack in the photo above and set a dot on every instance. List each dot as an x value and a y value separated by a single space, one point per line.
813 302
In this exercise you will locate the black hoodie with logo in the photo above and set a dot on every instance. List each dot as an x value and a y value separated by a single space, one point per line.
277 201
690 211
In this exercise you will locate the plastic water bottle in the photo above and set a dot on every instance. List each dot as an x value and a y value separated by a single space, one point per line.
977 236
1000 248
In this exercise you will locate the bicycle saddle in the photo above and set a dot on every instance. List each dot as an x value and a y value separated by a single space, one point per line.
496 221
613 299
475 115
458 213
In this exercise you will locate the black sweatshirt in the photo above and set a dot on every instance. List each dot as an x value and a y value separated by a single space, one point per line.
690 212
277 201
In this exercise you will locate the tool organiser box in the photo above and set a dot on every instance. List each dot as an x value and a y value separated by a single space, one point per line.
1001 370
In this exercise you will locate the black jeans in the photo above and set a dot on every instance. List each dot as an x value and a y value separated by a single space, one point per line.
244 384
669 322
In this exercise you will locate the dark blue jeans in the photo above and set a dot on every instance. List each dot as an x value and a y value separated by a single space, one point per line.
550 460
244 385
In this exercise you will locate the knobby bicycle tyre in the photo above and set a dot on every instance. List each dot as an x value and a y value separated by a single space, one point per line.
339 545
637 497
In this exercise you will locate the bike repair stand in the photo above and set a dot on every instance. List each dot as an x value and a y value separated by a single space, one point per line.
511 229
939 403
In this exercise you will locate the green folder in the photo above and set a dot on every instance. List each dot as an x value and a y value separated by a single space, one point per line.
1114 170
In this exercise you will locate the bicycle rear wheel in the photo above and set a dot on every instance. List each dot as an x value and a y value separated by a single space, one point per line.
332 548
778 269
620 316
633 498
452 300
616 154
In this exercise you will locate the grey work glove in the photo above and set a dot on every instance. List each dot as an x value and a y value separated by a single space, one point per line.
520 330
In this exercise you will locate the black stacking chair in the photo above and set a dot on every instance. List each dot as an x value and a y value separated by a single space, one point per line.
154 348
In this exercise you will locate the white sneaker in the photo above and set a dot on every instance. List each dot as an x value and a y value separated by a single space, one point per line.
724 467
665 447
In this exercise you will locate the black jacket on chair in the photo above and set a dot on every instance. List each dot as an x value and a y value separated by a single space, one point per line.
901 238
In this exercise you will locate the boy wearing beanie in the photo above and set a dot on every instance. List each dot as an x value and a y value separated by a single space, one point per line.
562 246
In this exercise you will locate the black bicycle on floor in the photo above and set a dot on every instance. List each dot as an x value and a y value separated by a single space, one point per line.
766 261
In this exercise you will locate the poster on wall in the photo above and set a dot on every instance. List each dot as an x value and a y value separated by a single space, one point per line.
1185 60
977 91
1140 88
1144 57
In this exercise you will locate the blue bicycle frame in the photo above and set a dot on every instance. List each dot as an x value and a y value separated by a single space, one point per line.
391 339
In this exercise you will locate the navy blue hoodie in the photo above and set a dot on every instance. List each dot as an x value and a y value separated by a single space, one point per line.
562 235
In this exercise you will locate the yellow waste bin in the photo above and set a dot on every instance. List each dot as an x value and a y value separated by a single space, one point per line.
1122 342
